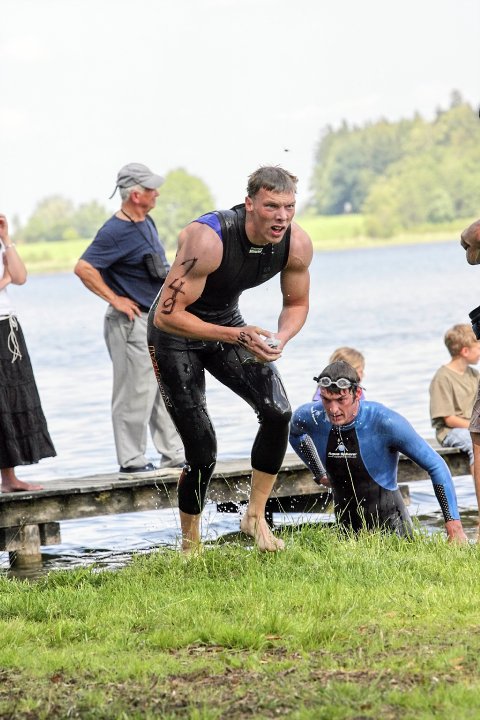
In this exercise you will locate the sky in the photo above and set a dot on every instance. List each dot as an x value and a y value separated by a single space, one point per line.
216 87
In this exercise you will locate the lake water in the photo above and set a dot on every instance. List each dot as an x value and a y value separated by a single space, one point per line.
393 304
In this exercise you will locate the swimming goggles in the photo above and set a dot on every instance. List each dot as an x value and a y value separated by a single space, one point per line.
341 383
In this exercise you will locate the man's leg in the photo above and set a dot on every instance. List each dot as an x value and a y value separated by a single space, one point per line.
190 525
133 386
476 465
260 385
165 437
253 523
181 379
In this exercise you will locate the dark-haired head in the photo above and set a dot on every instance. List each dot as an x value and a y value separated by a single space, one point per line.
339 372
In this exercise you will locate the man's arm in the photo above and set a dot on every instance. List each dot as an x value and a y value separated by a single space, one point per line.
200 252
93 280
295 285
301 440
411 444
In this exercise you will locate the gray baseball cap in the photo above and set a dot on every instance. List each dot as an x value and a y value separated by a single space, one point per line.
137 174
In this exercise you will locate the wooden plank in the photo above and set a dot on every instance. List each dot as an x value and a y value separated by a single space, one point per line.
106 494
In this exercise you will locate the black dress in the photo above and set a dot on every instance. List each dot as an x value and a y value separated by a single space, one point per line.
24 436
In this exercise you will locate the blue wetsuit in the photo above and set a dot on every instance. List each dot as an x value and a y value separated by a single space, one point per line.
361 462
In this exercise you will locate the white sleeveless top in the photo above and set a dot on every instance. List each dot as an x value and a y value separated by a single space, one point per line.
6 306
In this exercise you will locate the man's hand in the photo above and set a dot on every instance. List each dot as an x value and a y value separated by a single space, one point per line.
127 306
323 480
255 340
470 241
455 532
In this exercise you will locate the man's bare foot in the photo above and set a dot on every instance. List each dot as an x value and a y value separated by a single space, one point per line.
16 485
191 549
258 529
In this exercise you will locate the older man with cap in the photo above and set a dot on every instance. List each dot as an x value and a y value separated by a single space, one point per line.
353 445
126 266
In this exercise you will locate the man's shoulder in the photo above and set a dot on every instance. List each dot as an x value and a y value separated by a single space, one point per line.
301 245
310 411
106 241
370 410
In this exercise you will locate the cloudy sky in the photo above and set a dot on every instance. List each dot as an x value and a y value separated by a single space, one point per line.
217 87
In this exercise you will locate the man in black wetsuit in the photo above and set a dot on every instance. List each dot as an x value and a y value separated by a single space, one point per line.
195 324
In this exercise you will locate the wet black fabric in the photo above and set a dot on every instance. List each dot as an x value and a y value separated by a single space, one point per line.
180 366
362 503
243 266
23 429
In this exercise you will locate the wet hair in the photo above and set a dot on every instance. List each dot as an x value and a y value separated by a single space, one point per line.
350 355
272 178
340 369
458 337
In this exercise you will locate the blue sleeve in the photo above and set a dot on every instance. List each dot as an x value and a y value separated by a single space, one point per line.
213 221
103 251
302 441
407 441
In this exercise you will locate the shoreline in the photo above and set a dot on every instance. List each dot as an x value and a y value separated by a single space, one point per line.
49 258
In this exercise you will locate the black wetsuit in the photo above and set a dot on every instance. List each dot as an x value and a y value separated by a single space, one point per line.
180 363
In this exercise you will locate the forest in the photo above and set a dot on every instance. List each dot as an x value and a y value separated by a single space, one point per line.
396 175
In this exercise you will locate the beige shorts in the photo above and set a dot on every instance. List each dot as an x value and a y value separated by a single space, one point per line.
475 419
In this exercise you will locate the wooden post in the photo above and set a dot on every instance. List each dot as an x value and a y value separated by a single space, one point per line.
24 548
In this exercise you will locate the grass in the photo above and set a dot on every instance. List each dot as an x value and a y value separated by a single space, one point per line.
343 232
334 627
51 257
336 232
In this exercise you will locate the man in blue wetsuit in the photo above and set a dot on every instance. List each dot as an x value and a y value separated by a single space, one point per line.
195 325
353 445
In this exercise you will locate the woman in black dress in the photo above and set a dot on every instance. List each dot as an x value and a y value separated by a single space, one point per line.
24 437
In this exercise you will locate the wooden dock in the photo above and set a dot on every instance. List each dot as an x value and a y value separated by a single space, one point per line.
30 520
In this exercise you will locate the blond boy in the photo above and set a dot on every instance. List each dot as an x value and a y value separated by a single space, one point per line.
453 390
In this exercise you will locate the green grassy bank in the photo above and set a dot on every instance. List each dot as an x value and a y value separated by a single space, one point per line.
331 628
327 233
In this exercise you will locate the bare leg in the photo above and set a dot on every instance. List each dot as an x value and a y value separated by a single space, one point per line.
190 525
10 482
253 522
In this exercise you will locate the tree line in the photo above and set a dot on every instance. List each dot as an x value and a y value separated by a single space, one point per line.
397 174
182 198
401 174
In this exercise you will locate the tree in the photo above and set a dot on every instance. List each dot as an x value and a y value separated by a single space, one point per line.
51 220
349 161
402 174
88 218
182 198
55 218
